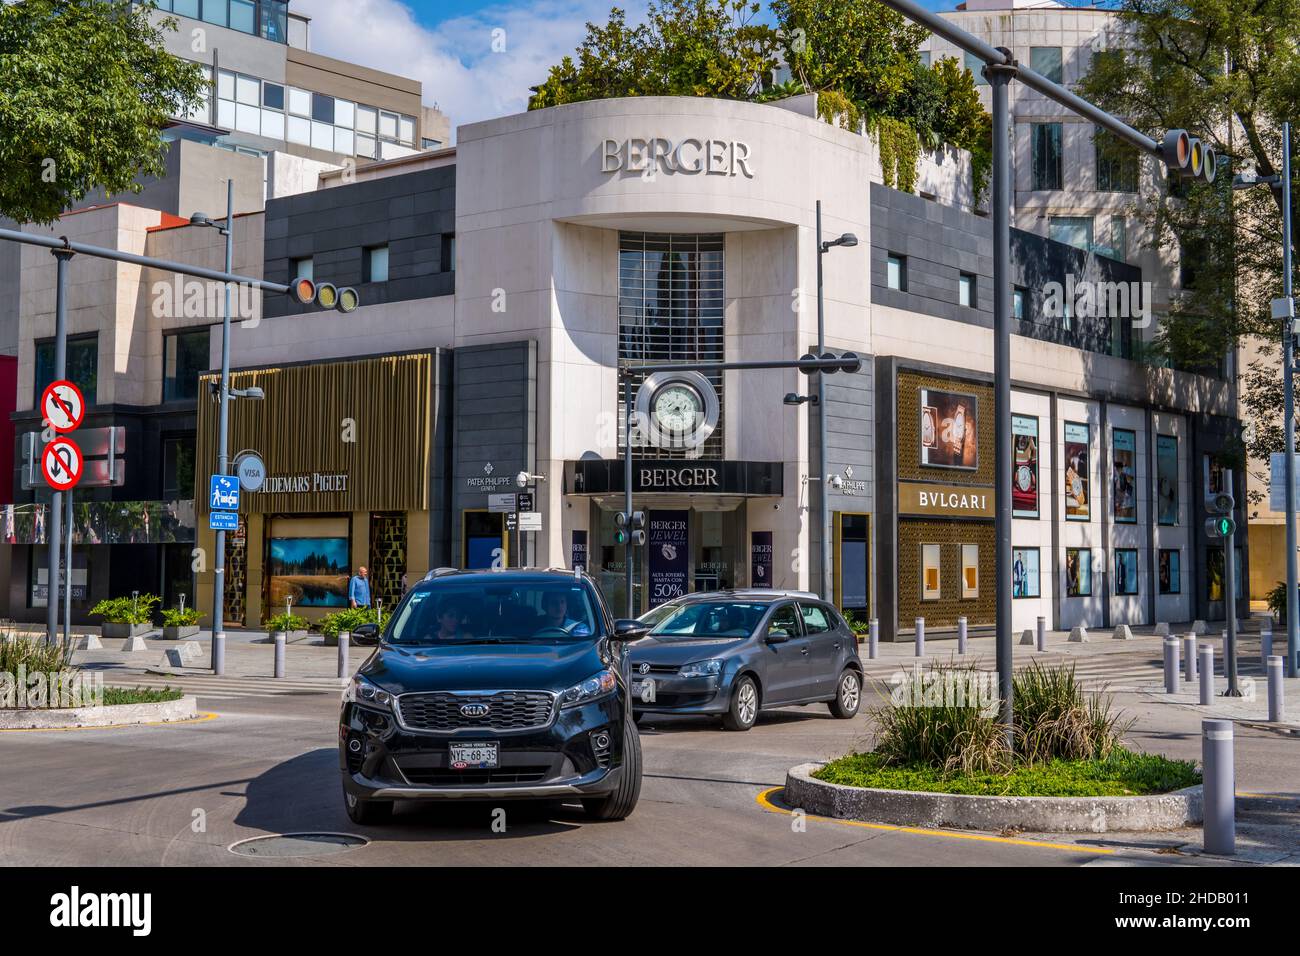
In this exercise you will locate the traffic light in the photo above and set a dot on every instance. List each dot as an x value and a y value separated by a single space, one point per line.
326 295
620 528
629 529
828 363
1222 523
1188 156
638 527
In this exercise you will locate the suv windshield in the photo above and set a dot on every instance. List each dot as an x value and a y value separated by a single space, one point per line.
710 619
488 612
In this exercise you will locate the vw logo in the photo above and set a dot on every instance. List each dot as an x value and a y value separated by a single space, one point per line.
474 710
643 668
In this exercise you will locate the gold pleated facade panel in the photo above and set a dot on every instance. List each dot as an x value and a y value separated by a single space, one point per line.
335 436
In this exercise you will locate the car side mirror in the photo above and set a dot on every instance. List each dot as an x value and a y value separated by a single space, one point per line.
776 635
367 630
629 629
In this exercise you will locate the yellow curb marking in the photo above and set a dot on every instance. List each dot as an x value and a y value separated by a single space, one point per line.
200 719
764 800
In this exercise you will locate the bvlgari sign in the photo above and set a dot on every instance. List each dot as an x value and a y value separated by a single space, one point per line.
948 501
687 157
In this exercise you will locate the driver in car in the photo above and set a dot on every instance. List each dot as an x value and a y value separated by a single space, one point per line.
449 621
555 606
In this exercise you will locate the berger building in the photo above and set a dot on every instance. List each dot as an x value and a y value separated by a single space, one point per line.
506 282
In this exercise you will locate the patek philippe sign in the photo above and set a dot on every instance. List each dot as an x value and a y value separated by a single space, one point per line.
686 157
950 501
306 483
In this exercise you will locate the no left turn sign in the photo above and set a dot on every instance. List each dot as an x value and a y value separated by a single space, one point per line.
63 405
62 465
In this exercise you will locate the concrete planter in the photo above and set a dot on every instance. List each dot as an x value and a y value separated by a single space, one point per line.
180 632
1168 811
290 637
43 719
108 629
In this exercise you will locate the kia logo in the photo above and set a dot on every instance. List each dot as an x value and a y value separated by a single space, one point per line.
474 710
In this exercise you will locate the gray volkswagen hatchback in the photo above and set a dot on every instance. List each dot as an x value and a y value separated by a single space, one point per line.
735 654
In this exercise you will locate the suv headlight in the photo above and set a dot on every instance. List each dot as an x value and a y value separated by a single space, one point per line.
596 686
367 693
709 668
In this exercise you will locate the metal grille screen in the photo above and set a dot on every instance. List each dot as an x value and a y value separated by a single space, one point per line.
670 308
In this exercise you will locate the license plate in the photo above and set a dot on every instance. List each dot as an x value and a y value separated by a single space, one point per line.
644 690
476 756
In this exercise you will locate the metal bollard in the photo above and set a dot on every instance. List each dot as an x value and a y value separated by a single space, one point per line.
1276 702
961 635
1041 635
219 653
1265 647
920 637
1171 665
1189 658
345 638
1207 674
873 638
1220 793
279 653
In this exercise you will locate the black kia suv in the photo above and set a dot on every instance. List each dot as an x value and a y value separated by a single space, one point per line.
493 685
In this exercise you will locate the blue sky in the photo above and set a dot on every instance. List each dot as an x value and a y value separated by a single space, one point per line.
476 58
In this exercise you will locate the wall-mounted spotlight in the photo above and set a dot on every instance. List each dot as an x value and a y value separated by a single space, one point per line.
794 398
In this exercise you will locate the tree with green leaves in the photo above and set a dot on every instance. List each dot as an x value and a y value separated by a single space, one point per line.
86 88
1229 72
859 56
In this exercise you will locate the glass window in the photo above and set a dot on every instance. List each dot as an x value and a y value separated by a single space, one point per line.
854 557
1046 60
225 85
970 570
1126 571
299 130
406 129
366 120
322 108
275 20
814 619
272 124
448 253
299 102
1078 572
388 125
1171 576
925 57
976 67
248 119
344 114
1072 230
1024 573
214 11
1018 302
243 16
247 90
301 268
343 141
185 357
82 365
322 136
785 620
930 572
273 96
226 113
1046 158
366 146
178 468
896 272
375 266
1117 164
966 290
186 8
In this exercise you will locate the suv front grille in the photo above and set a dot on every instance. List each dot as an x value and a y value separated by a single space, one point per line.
507 710
438 777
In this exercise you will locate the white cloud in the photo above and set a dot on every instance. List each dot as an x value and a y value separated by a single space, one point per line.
455 60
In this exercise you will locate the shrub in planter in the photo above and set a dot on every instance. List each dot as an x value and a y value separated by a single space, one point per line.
178 623
125 616
349 619
291 624
1277 602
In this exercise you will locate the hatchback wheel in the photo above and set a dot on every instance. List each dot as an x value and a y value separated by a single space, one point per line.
367 812
744 706
848 695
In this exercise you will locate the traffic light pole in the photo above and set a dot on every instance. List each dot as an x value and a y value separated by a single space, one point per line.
1288 387
218 660
54 531
627 490
1230 592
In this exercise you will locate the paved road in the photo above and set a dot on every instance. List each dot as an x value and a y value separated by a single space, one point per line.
182 794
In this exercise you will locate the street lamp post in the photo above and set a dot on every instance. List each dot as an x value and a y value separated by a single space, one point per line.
847 240
218 660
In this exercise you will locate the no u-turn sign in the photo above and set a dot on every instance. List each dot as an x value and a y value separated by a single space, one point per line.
62 464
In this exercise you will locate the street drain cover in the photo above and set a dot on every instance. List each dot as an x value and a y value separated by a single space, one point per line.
298 844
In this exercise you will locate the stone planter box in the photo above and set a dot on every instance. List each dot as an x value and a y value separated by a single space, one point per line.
1166 811
124 630
47 718
180 632
290 637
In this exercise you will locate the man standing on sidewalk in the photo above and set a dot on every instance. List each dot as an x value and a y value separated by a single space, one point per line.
359 589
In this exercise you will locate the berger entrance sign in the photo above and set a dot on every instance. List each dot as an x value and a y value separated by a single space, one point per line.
950 501
687 157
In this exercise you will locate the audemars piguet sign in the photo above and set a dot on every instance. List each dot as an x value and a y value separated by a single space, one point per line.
949 501
686 157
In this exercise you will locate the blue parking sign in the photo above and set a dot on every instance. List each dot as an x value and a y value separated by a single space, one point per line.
223 493
223 521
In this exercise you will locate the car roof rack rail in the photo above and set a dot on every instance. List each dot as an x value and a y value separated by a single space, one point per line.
440 572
